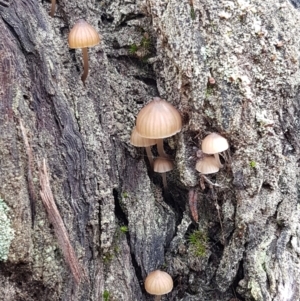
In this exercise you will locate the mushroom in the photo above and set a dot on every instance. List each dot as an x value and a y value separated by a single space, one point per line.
207 165
163 165
53 2
158 283
158 120
139 141
213 144
83 35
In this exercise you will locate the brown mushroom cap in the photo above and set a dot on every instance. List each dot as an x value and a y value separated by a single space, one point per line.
158 283
83 35
139 141
214 143
162 165
207 165
158 120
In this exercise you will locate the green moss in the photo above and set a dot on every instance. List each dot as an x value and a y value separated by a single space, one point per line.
133 48
106 295
124 229
6 232
198 243
252 164
208 92
193 14
143 49
108 257
145 42
125 195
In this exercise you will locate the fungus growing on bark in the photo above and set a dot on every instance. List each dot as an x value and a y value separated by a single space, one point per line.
53 2
213 144
138 141
158 283
211 80
207 165
83 35
163 165
158 120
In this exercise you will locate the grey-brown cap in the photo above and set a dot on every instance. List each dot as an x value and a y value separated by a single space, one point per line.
158 283
83 35
139 141
158 120
207 165
162 165
214 143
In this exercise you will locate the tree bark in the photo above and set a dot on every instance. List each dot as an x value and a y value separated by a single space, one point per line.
247 224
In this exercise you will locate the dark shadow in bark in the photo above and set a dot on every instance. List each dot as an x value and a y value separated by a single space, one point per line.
25 287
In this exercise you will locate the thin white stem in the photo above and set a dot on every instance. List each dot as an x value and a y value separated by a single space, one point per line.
228 155
157 298
52 12
85 64
164 179
223 155
160 148
220 220
149 155
218 160
210 182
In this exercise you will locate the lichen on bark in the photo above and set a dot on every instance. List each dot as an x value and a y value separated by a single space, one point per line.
6 231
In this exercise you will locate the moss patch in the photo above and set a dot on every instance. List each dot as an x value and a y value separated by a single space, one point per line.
198 241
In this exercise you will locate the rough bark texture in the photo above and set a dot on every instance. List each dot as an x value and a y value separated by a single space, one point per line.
249 224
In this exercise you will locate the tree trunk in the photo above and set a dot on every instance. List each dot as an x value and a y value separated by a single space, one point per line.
230 67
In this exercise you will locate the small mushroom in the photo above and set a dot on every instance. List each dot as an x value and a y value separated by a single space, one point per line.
158 120
139 141
213 144
207 165
163 165
83 35
53 2
158 283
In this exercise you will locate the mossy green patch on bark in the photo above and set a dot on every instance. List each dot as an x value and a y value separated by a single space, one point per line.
6 231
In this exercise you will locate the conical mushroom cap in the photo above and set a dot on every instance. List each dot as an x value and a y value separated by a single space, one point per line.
162 165
214 143
158 283
83 35
139 141
158 120
207 165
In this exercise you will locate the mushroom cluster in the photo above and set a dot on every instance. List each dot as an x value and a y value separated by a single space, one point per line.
156 121
212 145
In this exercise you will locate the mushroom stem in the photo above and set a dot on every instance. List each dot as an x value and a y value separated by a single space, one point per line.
52 8
228 157
157 298
210 182
149 155
85 64
164 179
218 160
160 148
